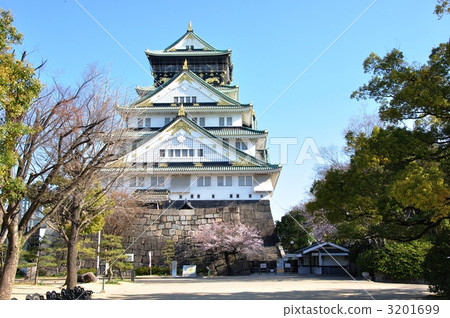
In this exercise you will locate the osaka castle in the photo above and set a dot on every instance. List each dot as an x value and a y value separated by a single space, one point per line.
194 153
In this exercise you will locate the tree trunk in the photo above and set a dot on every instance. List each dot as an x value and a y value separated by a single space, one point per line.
11 261
229 268
72 255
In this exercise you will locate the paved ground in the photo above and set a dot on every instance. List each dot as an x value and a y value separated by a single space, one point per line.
258 287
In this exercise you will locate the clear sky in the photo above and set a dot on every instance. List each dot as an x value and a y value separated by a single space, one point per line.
273 43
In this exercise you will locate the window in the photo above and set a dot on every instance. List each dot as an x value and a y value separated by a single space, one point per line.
175 100
167 120
177 152
184 152
140 122
229 121
224 181
245 181
202 121
134 145
133 182
148 122
187 47
249 196
141 182
194 99
231 196
157 181
198 196
192 47
213 196
162 152
241 145
237 196
188 100
192 196
200 153
203 181
191 152
180 196
181 100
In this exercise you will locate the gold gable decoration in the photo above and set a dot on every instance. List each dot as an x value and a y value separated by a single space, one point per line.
180 125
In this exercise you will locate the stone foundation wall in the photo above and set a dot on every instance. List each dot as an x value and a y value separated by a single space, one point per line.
157 225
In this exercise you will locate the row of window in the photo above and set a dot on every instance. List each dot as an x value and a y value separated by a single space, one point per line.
180 153
185 99
147 121
139 182
213 196
225 181
222 181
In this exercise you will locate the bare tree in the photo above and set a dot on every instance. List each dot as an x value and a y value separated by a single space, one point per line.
126 211
71 138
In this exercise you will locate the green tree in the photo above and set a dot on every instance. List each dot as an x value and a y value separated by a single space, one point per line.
443 7
293 231
39 253
168 252
112 252
18 88
396 184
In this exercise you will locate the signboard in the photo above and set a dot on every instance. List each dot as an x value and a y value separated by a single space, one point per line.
150 259
287 265
130 258
263 265
189 270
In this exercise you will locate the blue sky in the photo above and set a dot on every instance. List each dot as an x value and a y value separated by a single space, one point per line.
273 42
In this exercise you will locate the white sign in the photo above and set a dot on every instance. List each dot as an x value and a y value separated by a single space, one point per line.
189 270
263 265
287 265
130 258
150 259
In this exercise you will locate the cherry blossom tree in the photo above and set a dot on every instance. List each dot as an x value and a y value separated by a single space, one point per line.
226 238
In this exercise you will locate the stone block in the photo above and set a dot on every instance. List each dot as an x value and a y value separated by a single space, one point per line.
169 218
187 212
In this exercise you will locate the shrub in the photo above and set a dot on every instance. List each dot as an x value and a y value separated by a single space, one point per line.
86 270
156 270
437 265
398 261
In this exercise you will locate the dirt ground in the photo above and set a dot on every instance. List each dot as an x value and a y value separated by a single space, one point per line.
255 287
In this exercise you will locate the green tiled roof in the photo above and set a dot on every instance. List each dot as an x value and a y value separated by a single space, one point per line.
193 168
194 35
195 109
186 53
216 131
234 131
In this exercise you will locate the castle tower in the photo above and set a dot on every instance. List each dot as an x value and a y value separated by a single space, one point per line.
194 151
